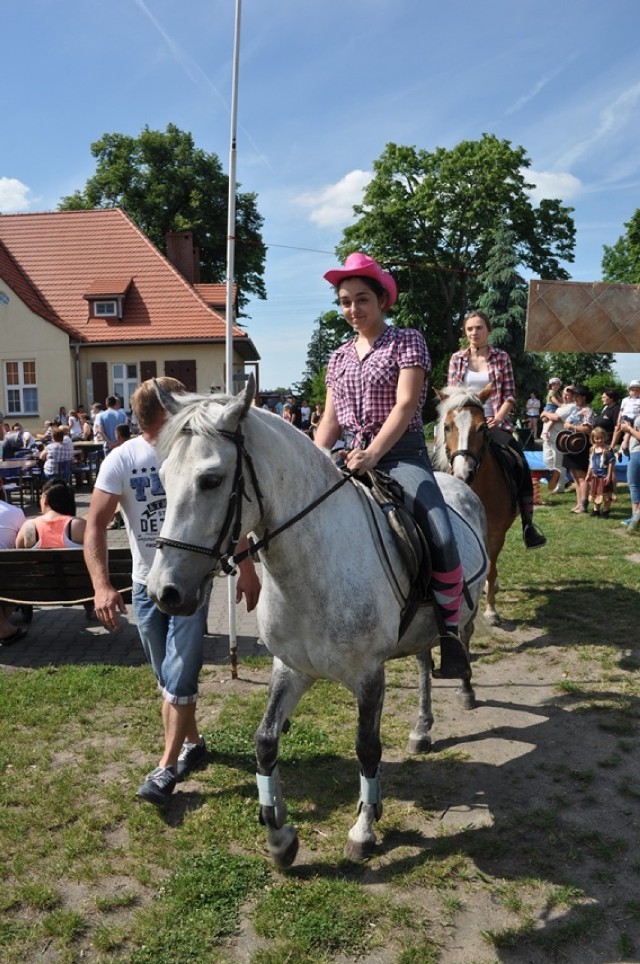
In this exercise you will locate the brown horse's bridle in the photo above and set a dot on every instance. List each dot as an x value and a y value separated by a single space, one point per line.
475 459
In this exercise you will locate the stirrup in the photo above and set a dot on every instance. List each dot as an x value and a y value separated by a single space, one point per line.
454 659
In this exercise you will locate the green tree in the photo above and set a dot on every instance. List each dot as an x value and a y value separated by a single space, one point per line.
504 300
330 331
431 218
572 367
165 183
621 261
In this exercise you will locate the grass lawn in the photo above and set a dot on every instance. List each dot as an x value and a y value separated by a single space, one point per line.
517 839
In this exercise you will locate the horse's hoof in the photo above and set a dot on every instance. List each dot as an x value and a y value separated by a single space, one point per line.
283 847
359 850
492 619
419 743
467 698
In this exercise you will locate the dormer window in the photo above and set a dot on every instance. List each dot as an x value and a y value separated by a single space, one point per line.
106 297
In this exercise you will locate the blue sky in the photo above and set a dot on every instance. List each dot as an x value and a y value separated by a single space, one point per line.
323 87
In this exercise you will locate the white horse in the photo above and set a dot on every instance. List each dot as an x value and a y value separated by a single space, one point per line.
233 469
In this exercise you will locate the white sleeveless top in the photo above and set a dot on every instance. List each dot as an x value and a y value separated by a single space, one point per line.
476 381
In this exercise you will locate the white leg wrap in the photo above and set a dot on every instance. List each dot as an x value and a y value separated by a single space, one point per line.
370 789
268 789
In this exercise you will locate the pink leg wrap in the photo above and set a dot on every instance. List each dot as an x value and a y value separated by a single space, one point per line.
447 593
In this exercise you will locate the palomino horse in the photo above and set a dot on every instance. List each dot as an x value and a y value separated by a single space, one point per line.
233 469
462 447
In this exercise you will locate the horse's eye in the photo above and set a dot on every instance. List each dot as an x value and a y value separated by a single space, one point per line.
210 482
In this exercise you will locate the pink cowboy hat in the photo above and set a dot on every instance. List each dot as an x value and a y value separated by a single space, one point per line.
362 266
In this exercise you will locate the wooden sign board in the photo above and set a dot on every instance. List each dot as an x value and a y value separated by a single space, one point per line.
578 316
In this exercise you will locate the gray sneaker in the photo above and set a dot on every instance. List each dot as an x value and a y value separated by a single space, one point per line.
190 756
158 786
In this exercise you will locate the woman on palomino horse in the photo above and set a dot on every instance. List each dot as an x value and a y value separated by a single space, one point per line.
376 387
476 367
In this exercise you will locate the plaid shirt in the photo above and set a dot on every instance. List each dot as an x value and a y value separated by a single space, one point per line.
499 373
58 460
364 392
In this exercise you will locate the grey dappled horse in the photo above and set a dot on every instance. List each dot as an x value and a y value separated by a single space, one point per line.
233 469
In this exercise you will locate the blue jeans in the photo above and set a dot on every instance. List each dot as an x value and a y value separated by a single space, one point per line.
172 645
633 476
408 462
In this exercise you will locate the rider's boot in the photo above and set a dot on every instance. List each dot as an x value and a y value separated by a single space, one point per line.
533 537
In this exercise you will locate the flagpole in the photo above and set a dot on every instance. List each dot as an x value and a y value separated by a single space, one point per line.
231 231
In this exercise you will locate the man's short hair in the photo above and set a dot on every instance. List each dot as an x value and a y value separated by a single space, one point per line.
111 401
146 405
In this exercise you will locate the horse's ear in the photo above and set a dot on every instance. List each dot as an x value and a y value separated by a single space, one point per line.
236 409
165 398
439 395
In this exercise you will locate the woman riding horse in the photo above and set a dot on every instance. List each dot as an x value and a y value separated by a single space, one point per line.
476 367
376 387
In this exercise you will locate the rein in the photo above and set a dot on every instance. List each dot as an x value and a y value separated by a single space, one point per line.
227 560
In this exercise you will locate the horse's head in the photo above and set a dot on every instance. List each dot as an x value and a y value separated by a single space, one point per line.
212 494
461 432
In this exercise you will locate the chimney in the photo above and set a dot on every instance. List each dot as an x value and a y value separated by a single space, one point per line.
183 255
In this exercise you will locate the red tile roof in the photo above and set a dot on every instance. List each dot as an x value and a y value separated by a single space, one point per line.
65 254
19 282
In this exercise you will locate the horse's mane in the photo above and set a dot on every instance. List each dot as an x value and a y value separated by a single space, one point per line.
452 397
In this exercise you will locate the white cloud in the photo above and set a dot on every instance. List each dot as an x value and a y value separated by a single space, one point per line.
553 184
13 195
612 118
332 206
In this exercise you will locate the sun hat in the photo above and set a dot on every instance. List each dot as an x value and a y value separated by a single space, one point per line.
555 381
360 265
634 383
571 443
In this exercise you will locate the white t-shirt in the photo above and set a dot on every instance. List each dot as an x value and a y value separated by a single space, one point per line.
476 381
130 471
11 519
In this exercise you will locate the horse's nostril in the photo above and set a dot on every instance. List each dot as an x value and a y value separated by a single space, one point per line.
170 599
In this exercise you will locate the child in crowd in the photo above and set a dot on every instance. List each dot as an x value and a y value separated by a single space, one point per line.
629 411
599 479
553 402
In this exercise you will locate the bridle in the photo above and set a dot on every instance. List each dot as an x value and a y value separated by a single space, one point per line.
232 525
474 457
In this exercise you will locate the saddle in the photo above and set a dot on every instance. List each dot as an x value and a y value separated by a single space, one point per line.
410 540
511 464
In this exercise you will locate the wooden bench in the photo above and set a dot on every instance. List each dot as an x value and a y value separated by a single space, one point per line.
56 577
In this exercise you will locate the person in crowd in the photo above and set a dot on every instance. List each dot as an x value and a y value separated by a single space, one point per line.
629 411
532 411
105 423
553 459
316 417
172 644
607 418
16 440
57 527
600 474
86 428
279 406
56 456
580 419
476 367
286 412
552 403
11 521
633 475
61 417
305 415
376 387
75 427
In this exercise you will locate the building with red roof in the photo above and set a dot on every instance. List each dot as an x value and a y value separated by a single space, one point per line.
89 307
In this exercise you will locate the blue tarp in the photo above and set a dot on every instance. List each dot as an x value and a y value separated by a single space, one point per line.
536 462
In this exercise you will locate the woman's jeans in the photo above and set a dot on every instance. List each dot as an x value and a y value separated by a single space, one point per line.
633 476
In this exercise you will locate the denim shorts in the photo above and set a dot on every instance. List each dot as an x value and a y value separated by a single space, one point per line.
633 476
172 645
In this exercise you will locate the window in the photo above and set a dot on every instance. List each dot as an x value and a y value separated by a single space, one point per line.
21 388
103 309
124 378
